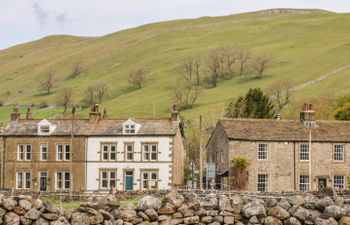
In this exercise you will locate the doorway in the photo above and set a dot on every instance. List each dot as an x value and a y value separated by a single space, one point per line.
129 180
322 183
43 181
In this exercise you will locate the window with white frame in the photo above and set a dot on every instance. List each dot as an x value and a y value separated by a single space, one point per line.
338 152
43 152
63 152
62 180
23 180
109 152
108 179
149 180
150 152
44 129
263 182
304 183
129 129
338 182
129 152
262 151
304 152
24 152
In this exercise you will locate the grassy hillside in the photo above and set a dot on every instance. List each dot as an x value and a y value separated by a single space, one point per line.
303 46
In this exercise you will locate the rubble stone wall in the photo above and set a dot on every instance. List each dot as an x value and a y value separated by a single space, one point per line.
186 208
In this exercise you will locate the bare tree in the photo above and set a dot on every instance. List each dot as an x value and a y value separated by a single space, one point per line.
214 67
261 63
101 89
228 58
280 94
138 77
48 82
90 95
65 98
77 69
242 57
186 90
197 65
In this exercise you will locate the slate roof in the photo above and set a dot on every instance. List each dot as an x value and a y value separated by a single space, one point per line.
104 127
285 130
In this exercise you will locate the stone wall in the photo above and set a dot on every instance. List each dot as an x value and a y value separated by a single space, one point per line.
186 208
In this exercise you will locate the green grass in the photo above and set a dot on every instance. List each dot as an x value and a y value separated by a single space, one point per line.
302 46
63 204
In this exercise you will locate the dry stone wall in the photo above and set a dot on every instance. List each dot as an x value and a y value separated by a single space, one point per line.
184 208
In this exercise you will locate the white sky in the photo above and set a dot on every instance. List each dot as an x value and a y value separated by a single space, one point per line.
25 20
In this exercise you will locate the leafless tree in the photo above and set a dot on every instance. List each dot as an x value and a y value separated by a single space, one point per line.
214 63
280 94
197 65
186 90
90 95
243 56
228 58
48 82
261 63
138 77
65 97
77 69
101 89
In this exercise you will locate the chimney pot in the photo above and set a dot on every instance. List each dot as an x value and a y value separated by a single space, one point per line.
175 114
15 115
29 113
94 115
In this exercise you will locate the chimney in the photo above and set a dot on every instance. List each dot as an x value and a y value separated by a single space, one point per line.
104 113
15 115
1 128
94 115
29 114
307 114
278 116
175 114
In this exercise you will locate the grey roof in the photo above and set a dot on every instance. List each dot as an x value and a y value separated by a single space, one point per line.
104 127
285 130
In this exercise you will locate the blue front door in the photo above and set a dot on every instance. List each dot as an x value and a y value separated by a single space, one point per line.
129 180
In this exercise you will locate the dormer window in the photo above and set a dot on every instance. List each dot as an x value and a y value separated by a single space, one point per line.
45 127
130 127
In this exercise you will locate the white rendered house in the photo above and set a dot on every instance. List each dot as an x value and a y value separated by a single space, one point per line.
134 154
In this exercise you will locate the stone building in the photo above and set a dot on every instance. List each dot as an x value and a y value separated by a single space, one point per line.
91 154
282 154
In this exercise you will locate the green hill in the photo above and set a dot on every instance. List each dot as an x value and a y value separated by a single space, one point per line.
305 45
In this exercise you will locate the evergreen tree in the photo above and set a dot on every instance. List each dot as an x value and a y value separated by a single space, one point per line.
255 104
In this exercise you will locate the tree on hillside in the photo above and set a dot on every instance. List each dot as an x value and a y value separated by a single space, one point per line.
48 82
77 69
280 94
90 95
243 56
255 104
227 59
343 112
186 91
138 77
214 63
101 89
260 64
64 98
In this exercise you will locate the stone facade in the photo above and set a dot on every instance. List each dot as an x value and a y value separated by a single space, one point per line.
283 165
75 166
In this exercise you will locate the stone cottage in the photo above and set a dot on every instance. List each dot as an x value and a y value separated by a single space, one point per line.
283 155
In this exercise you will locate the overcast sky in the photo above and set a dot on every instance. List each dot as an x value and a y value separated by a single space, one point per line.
25 20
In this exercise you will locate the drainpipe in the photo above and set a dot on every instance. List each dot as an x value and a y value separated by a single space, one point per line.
295 175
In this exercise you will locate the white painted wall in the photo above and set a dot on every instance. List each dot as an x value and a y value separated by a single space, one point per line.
93 156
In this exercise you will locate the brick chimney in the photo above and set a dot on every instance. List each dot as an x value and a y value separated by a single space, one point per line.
175 114
29 114
307 114
15 115
94 115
